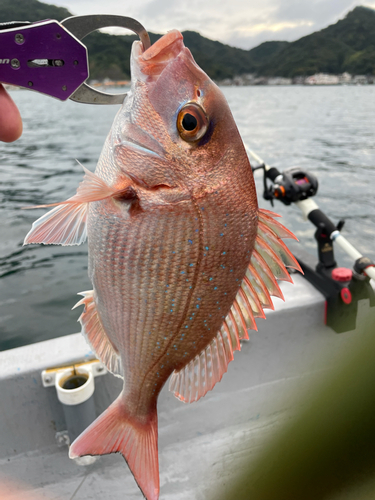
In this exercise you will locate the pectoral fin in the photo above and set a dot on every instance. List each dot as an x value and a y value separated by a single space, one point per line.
66 223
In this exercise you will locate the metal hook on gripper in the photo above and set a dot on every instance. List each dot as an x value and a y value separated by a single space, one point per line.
81 26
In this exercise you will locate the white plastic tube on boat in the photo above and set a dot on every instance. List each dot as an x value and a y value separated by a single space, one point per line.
75 390
78 395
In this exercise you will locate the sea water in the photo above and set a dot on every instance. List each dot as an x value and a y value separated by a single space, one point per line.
329 131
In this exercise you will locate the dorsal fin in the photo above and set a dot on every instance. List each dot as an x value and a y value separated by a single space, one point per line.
95 334
200 375
66 223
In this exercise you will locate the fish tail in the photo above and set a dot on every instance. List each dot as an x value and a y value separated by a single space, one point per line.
116 431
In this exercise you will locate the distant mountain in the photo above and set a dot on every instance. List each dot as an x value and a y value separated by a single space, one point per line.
348 45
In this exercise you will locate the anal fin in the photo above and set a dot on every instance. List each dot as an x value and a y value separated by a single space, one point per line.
202 373
95 334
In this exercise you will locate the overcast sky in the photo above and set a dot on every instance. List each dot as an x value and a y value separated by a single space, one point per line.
241 23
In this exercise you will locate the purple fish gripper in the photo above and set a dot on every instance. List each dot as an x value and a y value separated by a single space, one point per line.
44 57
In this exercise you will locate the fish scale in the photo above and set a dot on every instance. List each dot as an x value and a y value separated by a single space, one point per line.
171 217
141 243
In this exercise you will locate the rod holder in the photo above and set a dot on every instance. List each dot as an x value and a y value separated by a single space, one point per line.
75 386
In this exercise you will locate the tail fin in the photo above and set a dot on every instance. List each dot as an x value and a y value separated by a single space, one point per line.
115 431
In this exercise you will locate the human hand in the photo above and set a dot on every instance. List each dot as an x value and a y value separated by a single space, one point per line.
10 118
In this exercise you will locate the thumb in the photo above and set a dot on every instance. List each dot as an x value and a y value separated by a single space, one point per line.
10 119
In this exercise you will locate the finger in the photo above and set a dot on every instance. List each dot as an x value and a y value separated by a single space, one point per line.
10 118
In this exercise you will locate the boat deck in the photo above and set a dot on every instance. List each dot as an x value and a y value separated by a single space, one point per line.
201 446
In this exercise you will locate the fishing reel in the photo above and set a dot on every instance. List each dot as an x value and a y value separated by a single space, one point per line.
289 186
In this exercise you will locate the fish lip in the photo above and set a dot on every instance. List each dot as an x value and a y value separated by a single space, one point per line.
147 65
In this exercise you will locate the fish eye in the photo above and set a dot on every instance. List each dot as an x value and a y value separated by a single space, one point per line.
192 122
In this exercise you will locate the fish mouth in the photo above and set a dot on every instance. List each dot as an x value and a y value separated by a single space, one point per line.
149 64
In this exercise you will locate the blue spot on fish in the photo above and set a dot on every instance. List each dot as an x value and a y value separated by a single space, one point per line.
190 241
197 306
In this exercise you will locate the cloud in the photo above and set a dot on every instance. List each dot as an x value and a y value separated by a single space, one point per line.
243 23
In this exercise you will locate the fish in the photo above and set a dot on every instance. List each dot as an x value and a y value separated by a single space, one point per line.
181 258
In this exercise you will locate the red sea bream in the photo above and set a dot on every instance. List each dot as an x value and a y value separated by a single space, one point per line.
180 256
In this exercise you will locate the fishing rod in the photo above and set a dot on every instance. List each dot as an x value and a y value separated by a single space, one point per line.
341 287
